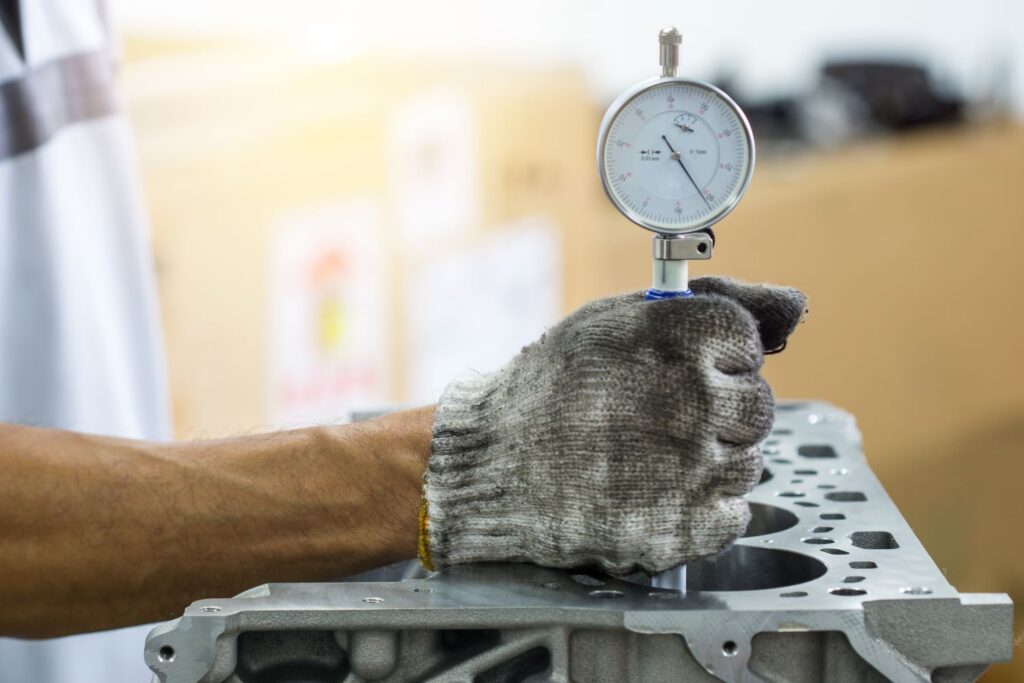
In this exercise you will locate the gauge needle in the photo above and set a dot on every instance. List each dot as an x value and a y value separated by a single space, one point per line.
685 128
677 157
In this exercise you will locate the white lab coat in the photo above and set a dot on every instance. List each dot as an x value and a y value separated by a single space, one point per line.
79 331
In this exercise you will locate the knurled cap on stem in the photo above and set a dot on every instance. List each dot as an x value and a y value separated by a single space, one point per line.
669 40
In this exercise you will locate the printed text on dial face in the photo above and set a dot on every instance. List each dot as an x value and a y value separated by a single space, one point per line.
676 155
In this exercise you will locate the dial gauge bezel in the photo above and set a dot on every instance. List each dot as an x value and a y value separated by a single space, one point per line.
623 101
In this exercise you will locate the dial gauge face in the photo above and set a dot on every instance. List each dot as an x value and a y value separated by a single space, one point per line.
675 155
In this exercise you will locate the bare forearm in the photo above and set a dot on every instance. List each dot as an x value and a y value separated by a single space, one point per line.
97 533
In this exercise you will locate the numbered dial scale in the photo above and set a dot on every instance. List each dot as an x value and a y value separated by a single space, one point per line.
675 155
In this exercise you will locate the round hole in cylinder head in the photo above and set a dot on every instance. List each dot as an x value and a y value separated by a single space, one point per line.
165 654
746 568
768 519
730 648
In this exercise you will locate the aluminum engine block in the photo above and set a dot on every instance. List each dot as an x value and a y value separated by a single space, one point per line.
829 584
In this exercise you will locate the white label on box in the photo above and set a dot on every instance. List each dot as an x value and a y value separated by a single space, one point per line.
475 308
434 166
328 313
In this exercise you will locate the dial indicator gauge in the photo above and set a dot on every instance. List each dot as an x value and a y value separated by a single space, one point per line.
675 155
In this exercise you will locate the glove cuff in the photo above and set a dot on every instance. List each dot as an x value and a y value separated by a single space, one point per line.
464 514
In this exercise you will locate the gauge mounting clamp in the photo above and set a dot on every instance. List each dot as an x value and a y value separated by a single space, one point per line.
675 156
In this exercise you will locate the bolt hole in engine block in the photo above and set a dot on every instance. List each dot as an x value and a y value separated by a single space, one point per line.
817 569
817 451
874 540
846 497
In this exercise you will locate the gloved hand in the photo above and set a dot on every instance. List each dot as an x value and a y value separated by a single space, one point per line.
625 437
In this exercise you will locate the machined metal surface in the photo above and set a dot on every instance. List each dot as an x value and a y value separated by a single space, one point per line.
829 584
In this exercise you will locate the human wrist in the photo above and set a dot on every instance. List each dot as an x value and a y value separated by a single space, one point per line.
401 444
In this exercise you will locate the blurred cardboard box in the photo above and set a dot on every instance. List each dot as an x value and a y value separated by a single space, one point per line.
332 236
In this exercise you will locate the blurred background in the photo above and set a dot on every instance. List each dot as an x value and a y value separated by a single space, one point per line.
353 202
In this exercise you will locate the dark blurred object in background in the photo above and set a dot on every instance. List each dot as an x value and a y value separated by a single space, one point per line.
898 96
854 98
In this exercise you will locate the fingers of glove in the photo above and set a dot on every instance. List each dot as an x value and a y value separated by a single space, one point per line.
744 408
599 307
589 316
669 539
715 526
714 326
777 310
724 469
745 466
701 531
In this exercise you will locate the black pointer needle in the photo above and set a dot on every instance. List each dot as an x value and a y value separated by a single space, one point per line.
676 156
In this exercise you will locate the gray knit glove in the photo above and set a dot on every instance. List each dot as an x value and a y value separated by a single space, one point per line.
625 437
